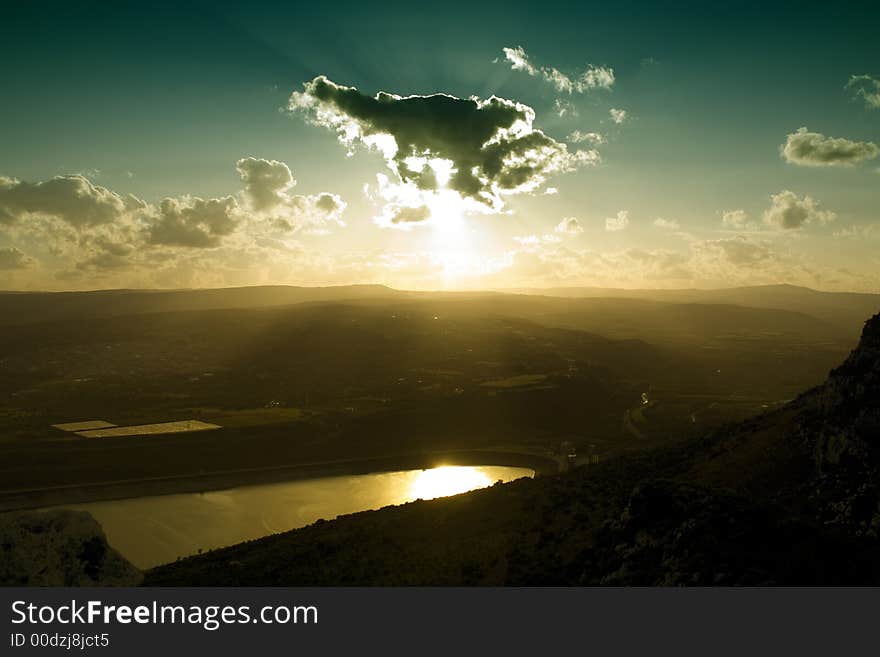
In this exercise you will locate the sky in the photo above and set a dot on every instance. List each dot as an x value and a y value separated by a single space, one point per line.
439 146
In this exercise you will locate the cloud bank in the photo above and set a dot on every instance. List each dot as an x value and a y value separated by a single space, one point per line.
72 199
13 258
69 228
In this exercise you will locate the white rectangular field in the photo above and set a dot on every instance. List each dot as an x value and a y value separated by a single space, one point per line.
83 426
159 428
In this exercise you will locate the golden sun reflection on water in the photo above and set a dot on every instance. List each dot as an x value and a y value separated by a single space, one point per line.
448 480
153 530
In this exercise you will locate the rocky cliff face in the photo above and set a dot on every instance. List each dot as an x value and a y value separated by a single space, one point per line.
843 425
59 548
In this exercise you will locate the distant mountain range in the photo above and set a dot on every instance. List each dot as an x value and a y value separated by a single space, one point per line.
25 307
841 308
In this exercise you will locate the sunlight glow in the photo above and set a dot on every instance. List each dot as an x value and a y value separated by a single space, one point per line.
452 247
448 480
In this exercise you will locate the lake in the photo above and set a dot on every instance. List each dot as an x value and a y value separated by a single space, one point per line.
150 531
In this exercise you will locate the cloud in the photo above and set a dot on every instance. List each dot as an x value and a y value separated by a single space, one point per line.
179 242
592 77
564 108
481 149
555 264
865 231
73 199
569 226
537 240
728 261
666 224
816 150
12 258
593 138
266 182
618 222
406 214
83 234
193 222
738 250
267 187
735 218
618 116
867 88
787 211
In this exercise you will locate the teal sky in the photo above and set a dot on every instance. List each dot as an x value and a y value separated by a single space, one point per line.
162 99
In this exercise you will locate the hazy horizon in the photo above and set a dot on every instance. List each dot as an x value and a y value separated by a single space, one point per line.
497 290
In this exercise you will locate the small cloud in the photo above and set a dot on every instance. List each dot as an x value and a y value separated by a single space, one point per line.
592 77
569 226
666 224
867 88
593 138
618 116
537 240
409 215
618 222
788 211
551 191
813 149
267 192
564 108
735 218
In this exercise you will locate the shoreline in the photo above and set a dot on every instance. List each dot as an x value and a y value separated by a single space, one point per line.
31 499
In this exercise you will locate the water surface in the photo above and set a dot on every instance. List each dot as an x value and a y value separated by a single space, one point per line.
150 531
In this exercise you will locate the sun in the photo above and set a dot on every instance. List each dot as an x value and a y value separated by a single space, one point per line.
452 245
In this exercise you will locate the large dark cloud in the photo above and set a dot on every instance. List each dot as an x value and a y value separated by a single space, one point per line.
491 144
814 149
